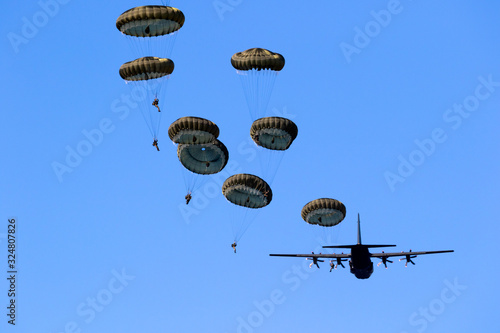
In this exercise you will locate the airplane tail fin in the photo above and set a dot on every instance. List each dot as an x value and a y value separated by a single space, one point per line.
359 231
359 242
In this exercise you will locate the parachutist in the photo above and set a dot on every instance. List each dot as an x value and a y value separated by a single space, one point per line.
155 103
155 144
234 246
332 266
207 164
188 198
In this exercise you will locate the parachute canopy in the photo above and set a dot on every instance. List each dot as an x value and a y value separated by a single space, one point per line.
148 77
257 69
258 59
247 190
204 159
146 68
273 133
150 21
324 212
193 130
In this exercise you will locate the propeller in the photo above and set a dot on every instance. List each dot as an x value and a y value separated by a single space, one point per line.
339 262
408 258
384 261
315 260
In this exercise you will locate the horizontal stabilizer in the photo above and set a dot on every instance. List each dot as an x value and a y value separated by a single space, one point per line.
351 246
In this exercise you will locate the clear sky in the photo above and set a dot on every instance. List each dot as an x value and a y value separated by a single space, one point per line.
397 108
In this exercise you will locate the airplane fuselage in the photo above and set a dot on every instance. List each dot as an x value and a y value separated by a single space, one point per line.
360 263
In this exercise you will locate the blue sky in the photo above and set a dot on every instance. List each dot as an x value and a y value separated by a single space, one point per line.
397 108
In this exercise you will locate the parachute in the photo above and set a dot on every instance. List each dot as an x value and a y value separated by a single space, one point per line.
148 76
274 135
193 130
198 150
204 158
200 160
322 215
258 59
248 193
151 29
323 212
258 69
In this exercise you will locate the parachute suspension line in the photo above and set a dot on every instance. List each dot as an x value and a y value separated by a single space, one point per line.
247 90
257 94
258 86
151 108
169 45
327 235
154 46
246 221
273 159
194 181
151 122
158 92
238 218
159 122
134 42
234 228
262 93
141 86
242 221
189 178
269 79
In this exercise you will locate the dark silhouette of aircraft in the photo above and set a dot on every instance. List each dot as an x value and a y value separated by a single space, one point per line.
360 257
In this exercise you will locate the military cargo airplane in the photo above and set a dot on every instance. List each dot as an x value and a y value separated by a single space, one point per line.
360 257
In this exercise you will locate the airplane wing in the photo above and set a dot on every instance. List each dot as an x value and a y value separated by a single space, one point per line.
404 254
319 255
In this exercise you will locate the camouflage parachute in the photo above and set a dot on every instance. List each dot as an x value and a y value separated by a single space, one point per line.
204 159
247 190
193 130
273 133
150 21
146 68
258 59
324 212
